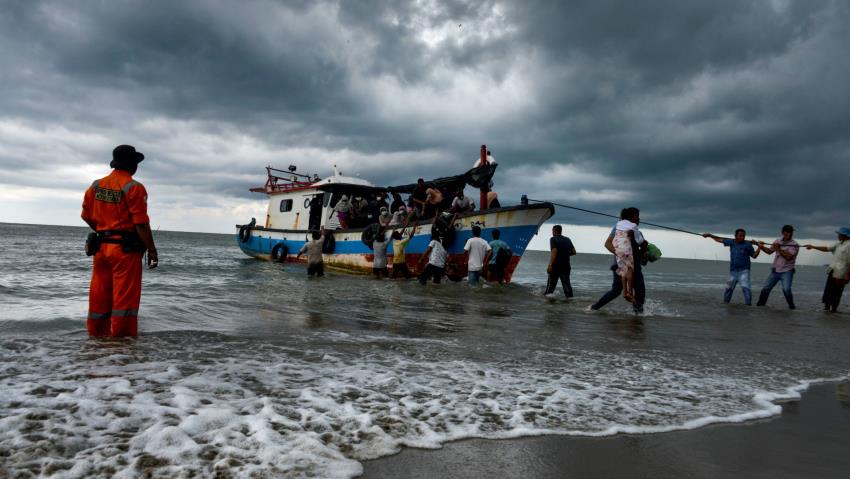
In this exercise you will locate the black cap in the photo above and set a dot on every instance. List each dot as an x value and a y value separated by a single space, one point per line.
125 155
787 228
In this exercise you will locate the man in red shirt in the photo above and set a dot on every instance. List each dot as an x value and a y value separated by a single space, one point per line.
115 207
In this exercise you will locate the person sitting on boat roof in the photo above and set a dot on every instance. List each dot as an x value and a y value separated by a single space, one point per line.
385 217
433 200
437 256
462 203
418 198
492 197
315 261
343 211
379 258
490 160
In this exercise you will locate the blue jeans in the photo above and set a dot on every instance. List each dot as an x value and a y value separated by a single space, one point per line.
786 278
473 277
736 276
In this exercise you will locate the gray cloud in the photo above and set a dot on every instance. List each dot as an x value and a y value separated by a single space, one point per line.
707 115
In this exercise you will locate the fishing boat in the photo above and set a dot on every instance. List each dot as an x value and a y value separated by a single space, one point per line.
300 204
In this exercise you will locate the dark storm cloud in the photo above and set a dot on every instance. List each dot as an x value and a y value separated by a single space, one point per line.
704 114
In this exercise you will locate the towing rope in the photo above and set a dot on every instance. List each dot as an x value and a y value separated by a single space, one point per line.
615 217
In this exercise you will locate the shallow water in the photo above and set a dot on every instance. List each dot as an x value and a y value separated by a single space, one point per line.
246 367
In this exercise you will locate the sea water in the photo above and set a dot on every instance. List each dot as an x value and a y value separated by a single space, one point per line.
246 368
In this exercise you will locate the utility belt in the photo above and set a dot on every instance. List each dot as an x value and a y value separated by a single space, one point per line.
129 240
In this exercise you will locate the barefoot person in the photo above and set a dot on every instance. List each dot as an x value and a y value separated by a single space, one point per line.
838 274
740 252
786 250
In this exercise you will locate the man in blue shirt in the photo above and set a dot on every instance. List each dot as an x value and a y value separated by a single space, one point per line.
496 261
740 252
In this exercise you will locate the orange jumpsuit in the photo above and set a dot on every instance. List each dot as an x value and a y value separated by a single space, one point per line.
115 203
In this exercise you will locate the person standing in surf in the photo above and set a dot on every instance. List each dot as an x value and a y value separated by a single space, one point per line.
558 269
499 257
399 256
786 250
838 274
740 252
639 254
379 255
477 250
116 208
626 233
437 256
315 260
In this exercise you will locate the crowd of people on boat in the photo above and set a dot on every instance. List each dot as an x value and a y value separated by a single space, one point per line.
427 200
489 259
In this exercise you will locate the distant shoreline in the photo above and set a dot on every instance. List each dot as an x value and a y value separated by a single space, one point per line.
542 229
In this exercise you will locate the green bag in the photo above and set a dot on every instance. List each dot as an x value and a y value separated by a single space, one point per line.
653 254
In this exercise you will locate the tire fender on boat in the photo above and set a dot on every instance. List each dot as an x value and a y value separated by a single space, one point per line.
279 252
244 233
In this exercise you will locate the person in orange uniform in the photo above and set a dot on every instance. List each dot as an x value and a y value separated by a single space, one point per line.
115 207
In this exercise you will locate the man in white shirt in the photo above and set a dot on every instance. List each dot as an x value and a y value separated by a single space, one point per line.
490 160
462 203
477 250
437 256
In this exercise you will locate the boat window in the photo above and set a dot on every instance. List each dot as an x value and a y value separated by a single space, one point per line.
285 205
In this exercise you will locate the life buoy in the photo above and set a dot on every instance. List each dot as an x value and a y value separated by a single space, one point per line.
244 233
329 244
279 252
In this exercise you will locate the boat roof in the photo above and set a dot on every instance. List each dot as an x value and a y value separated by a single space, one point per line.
476 177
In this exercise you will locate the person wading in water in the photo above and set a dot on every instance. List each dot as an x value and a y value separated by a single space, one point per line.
116 208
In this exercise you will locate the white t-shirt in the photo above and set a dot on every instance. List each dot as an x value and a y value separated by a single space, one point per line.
477 249
438 254
490 160
463 203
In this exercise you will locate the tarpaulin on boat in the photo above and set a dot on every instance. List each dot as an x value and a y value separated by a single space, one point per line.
476 177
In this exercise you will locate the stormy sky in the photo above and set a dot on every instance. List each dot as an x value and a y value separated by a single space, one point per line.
706 115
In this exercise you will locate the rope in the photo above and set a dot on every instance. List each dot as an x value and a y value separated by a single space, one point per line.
616 217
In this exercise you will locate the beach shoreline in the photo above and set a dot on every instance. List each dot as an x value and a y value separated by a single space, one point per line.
809 439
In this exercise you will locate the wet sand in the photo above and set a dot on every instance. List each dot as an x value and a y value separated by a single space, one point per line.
810 439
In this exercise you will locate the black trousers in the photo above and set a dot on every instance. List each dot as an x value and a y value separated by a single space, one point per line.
401 269
552 283
832 292
317 269
617 289
381 272
431 271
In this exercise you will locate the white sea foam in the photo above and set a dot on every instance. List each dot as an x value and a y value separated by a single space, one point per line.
248 408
